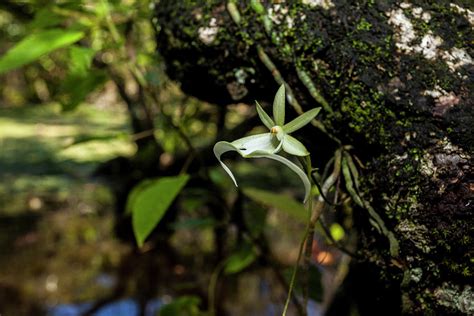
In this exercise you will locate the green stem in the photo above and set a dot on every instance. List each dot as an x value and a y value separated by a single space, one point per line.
309 232
309 240
293 275
212 288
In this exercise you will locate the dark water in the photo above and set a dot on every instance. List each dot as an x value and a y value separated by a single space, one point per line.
127 307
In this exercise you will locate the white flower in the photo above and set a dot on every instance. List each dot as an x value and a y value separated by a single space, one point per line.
267 145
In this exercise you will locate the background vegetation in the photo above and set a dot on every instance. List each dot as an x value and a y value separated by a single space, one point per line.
93 133
111 198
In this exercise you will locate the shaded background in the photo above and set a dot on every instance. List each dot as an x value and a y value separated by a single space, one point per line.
84 122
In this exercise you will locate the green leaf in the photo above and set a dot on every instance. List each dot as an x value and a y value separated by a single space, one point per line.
81 79
301 120
75 89
281 202
264 117
36 45
279 106
151 202
240 260
44 18
187 305
134 194
294 147
80 60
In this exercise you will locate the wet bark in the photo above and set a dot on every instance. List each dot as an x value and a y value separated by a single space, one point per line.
396 83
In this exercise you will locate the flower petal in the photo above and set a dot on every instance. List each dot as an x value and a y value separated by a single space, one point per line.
295 169
219 149
266 143
294 147
301 120
264 117
279 106
222 147
260 144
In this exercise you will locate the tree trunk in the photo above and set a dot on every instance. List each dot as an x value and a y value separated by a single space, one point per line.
395 80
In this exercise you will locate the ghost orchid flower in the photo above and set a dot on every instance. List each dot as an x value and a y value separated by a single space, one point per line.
267 145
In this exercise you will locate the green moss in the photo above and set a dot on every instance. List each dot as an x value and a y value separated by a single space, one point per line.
363 25
366 112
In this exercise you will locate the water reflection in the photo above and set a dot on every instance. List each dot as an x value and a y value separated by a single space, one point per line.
127 307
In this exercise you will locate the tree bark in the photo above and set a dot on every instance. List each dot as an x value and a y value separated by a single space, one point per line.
395 80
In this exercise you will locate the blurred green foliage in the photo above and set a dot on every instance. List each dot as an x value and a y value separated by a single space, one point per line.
69 48
64 55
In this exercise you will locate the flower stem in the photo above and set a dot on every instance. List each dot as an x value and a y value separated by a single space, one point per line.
213 287
309 239
309 232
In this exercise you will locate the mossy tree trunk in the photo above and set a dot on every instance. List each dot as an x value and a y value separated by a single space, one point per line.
398 80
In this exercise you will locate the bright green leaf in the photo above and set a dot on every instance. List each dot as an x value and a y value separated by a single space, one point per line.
36 45
240 260
151 203
279 106
281 202
264 117
301 120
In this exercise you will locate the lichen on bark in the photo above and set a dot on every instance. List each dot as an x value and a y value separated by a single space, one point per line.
398 78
